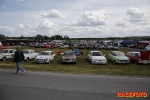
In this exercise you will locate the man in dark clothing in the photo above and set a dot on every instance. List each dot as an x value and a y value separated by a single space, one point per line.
18 58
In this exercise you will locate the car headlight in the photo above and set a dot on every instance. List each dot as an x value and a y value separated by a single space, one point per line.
94 59
46 59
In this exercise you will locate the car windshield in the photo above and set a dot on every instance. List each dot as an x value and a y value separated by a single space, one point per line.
137 54
97 54
44 53
120 54
5 51
25 51
68 53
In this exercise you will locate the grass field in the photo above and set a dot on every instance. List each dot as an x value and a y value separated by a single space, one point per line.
83 65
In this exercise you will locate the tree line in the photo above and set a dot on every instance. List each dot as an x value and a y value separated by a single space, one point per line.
37 37
65 37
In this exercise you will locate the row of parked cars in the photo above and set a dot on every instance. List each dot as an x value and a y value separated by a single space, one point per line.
71 46
95 57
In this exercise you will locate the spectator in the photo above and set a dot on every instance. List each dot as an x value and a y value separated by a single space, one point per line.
18 58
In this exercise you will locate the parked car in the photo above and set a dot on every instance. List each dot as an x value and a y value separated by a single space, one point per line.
96 57
38 45
114 47
45 45
69 56
3 47
108 47
32 44
81 46
63 46
118 57
29 54
71 46
143 44
132 46
139 57
45 57
7 54
147 48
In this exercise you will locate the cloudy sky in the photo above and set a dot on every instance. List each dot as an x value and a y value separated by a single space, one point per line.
75 18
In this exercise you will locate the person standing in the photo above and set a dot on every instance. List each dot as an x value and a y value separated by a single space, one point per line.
18 58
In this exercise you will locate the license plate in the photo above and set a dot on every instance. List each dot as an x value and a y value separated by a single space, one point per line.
41 62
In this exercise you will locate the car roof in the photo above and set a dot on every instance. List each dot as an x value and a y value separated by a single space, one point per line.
46 51
133 52
8 49
27 49
68 51
117 51
95 51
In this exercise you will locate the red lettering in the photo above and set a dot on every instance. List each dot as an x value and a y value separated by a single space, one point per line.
144 94
118 94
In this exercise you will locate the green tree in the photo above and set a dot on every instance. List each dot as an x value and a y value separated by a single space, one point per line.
39 37
2 37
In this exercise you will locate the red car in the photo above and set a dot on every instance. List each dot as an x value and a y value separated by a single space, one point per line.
45 45
2 47
32 45
142 57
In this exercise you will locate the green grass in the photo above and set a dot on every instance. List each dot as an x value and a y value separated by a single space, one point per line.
83 65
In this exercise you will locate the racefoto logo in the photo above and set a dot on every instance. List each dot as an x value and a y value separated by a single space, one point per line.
132 94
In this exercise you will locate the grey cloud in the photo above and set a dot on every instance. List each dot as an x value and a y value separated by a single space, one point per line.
135 13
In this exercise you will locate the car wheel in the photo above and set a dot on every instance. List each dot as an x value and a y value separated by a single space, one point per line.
4 58
27 59
49 61
114 62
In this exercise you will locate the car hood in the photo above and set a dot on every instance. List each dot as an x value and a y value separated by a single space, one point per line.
42 57
69 56
5 54
98 57
121 57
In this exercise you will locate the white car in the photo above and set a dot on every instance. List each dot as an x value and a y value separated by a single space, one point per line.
63 46
96 57
45 57
29 54
147 48
7 54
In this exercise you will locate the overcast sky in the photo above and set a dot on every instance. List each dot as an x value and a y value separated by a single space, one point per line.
75 18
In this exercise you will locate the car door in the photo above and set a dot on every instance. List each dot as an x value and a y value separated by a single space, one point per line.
8 54
11 53
111 56
89 55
